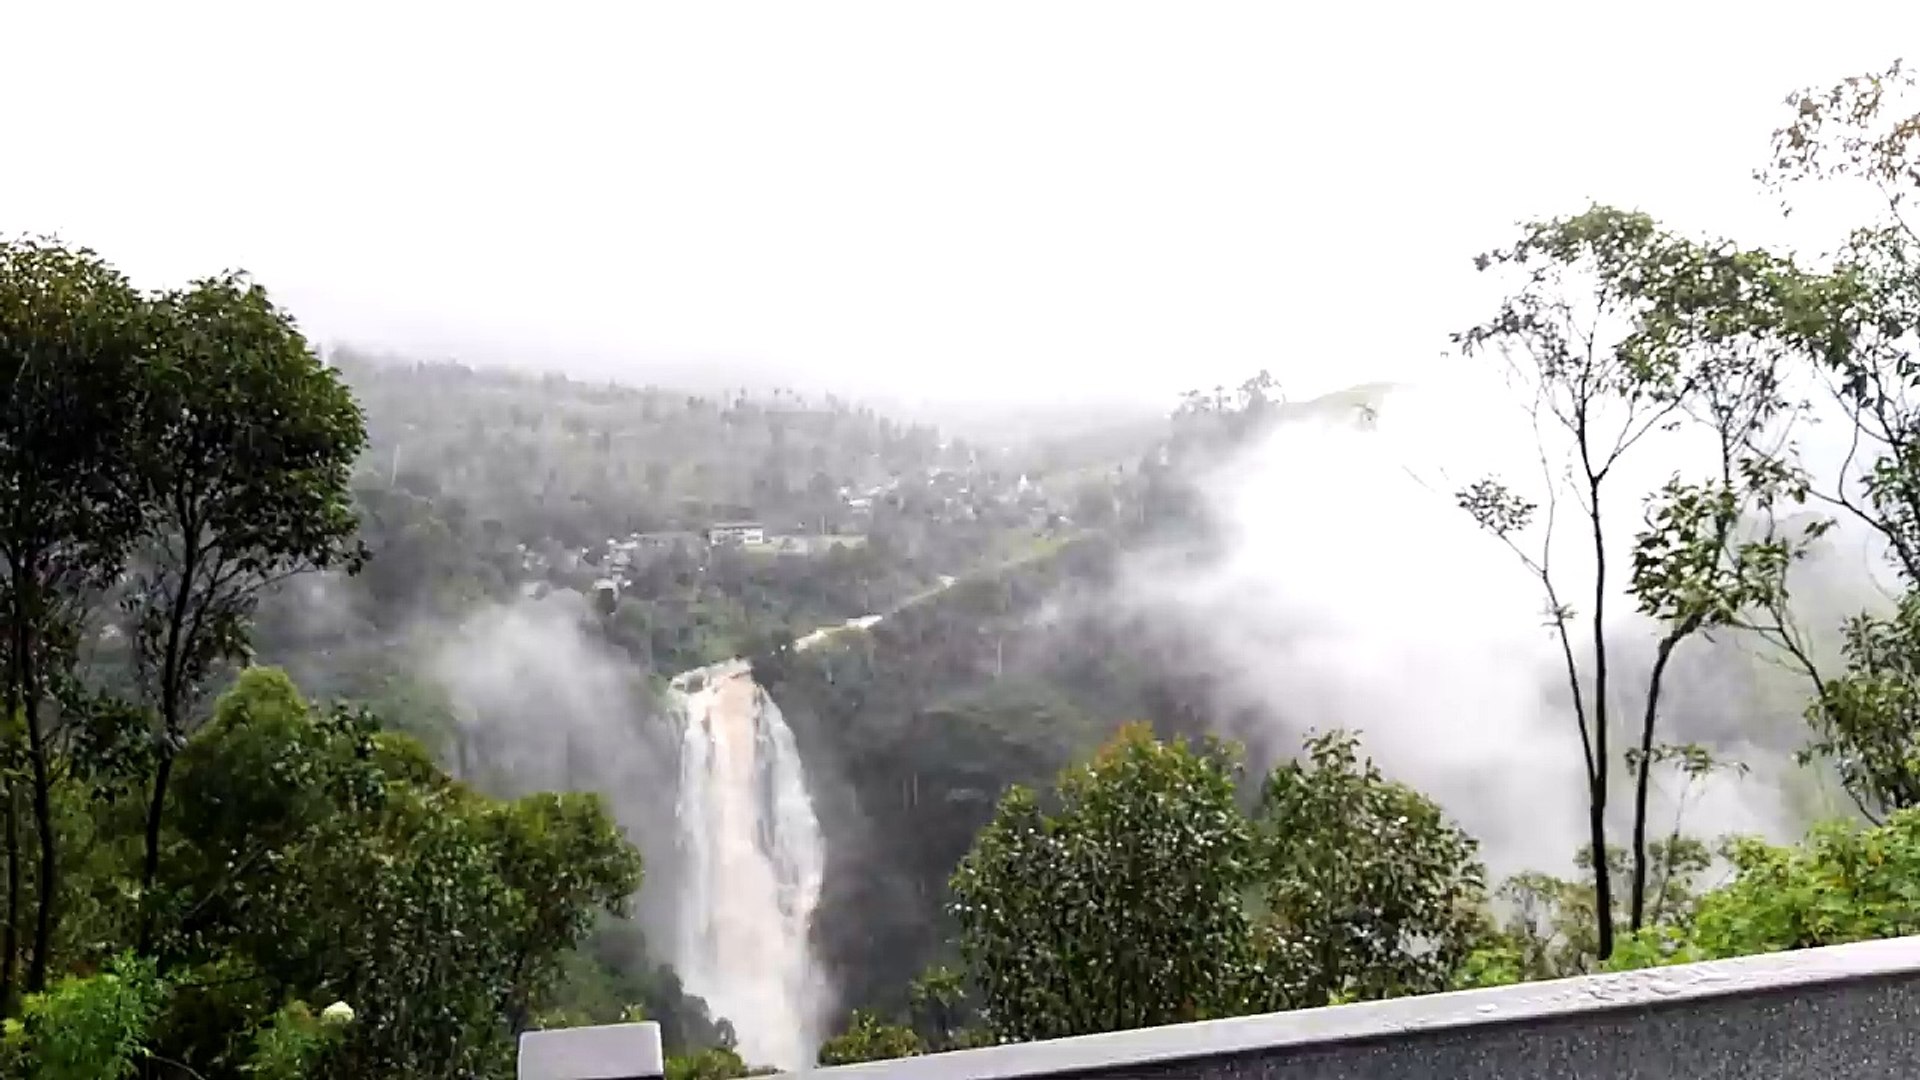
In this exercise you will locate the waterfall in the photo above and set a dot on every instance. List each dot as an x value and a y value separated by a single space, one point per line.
751 867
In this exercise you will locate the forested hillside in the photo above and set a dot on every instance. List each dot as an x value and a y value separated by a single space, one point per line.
252 828
486 486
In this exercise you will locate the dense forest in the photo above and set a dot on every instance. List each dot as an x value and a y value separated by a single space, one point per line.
250 828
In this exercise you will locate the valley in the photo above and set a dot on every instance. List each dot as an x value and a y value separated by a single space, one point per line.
362 713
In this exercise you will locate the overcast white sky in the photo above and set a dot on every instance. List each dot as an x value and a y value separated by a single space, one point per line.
980 199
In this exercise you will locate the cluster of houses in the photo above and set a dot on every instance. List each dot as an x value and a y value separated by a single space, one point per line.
621 557
949 495
753 534
958 495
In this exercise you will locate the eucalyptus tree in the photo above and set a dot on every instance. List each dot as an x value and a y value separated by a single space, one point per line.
1863 134
1148 896
73 364
1122 909
1619 334
1368 889
249 443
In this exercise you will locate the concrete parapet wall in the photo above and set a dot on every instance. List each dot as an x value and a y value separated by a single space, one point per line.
1845 1013
1841 1013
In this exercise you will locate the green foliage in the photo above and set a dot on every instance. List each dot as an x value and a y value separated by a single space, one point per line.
293 1043
248 450
1862 131
1120 910
940 1009
568 862
338 862
917 727
1368 890
868 1038
253 442
1550 931
1619 330
92 1027
1129 905
1601 398
713 1063
608 979
1866 720
71 341
72 335
1845 883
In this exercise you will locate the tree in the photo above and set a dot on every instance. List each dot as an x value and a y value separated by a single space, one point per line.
938 1001
1121 909
247 456
1844 883
1866 719
1617 332
1549 931
71 358
567 862
868 1038
334 861
86 1028
770 653
1865 130
1736 327
294 1042
1369 891
712 1063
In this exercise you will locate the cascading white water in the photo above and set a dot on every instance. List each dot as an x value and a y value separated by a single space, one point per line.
751 868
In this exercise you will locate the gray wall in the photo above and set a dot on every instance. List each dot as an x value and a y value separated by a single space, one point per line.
1851 1012
1853 1031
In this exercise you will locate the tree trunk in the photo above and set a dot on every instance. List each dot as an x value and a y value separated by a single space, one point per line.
150 870
10 958
48 880
1642 782
10 934
1597 791
172 668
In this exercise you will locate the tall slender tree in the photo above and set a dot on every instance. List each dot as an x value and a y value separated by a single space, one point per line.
72 363
1863 134
1621 331
249 445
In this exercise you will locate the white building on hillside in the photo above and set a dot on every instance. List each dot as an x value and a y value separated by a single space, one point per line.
750 533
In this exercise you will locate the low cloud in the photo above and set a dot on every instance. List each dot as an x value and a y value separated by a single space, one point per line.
1349 591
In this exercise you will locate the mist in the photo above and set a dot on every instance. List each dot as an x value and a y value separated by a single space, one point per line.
1347 590
545 705
679 194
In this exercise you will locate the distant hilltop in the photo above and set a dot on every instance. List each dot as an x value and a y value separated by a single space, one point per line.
1367 398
